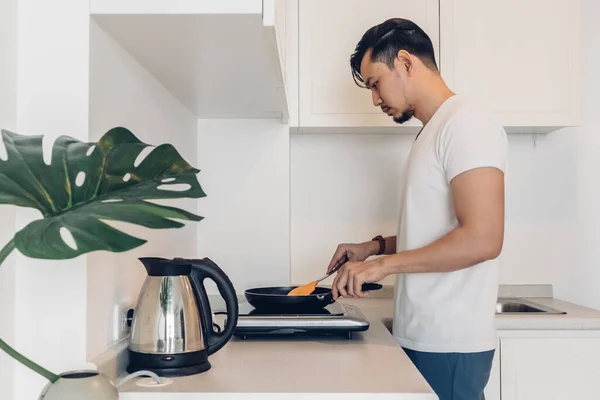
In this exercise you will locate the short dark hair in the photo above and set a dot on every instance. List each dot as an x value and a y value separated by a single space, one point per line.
387 39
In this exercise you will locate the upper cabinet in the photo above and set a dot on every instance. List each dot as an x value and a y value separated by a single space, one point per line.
328 33
290 59
221 59
519 59
163 7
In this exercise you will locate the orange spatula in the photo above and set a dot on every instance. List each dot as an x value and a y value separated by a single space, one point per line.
308 288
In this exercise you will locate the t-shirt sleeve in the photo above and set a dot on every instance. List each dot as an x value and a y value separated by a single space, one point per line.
471 141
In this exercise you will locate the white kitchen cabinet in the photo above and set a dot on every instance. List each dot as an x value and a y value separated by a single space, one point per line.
492 389
328 33
275 16
176 7
291 61
519 59
550 368
220 59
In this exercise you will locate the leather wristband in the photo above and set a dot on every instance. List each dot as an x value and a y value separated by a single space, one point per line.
381 241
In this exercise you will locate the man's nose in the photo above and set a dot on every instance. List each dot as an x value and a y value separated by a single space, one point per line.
376 99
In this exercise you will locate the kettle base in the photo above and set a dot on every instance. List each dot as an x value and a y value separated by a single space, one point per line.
169 365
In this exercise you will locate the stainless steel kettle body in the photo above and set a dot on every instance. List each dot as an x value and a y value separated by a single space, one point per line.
172 328
171 322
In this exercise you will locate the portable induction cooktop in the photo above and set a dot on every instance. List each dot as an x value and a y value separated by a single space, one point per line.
334 319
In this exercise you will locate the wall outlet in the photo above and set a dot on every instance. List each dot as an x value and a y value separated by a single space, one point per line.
120 328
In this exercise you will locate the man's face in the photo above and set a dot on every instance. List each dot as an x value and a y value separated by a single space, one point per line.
387 87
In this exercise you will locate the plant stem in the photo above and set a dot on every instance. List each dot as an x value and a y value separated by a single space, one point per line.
9 350
10 246
27 362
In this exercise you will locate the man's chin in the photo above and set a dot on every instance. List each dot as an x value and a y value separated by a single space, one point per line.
404 117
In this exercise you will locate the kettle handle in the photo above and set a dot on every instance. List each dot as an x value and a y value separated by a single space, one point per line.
206 268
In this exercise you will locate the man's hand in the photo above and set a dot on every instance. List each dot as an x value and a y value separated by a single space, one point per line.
352 275
354 251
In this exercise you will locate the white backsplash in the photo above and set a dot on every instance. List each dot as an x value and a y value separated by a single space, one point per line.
245 174
122 93
344 188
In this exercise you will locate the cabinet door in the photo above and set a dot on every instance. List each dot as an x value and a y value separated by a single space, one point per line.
550 369
519 59
275 15
492 389
328 33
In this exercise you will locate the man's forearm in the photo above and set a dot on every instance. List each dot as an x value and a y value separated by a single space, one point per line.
458 249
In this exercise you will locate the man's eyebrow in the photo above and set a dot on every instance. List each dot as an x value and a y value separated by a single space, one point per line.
368 82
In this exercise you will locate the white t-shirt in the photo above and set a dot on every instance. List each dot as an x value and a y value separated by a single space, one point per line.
451 311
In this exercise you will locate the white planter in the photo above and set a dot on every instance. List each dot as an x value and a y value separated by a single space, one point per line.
77 385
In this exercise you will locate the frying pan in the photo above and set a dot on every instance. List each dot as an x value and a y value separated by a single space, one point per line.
276 298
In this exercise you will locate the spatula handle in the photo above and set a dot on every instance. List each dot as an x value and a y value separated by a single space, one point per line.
342 261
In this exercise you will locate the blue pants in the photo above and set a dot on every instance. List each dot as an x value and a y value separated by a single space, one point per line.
454 376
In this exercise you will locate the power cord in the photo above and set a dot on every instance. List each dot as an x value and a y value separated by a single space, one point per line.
139 373
217 328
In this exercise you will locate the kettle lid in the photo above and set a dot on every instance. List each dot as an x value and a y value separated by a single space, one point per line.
157 266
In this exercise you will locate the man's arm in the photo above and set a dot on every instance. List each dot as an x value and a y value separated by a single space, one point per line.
478 197
360 251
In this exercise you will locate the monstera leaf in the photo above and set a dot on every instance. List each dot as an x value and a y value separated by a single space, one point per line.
86 183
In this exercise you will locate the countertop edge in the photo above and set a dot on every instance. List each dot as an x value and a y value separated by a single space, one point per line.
273 395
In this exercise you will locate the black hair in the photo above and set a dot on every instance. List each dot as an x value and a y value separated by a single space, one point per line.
387 39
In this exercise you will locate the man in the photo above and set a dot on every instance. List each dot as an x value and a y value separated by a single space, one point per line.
451 226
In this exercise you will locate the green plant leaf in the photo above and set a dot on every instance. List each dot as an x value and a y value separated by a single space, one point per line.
90 182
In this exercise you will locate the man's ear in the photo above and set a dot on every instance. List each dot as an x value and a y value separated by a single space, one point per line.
404 61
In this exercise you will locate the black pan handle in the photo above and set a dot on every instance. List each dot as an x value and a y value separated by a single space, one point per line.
366 287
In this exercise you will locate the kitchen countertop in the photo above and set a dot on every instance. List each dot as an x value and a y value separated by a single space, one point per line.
576 318
371 363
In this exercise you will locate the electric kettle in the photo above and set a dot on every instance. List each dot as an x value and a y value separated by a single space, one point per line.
172 330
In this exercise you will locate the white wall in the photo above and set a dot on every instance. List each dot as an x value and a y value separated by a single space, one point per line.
582 278
8 116
7 304
52 100
344 188
245 173
123 93
541 209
